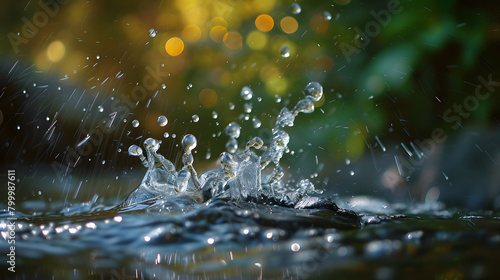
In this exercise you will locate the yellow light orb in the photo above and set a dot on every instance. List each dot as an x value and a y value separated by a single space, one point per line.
191 33
256 40
217 33
264 23
174 46
289 25
217 21
56 51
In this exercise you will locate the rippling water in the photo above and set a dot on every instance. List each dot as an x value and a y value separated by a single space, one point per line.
218 239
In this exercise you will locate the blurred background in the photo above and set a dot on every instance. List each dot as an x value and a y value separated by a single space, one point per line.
83 80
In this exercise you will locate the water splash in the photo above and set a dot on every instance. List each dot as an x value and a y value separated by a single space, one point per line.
243 174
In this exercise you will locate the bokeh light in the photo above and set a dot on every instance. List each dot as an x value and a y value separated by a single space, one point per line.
217 33
256 40
174 46
217 21
324 63
207 97
191 33
233 40
264 23
289 25
56 51
318 23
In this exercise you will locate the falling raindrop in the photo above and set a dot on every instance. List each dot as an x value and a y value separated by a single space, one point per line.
152 33
162 120
246 93
285 52
135 123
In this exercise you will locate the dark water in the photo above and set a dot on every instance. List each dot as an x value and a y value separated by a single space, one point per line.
220 239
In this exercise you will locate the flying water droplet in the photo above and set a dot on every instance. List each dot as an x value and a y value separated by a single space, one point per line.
247 107
100 108
152 33
135 123
195 118
232 145
189 142
231 106
163 86
246 93
256 122
285 52
314 91
304 106
233 130
134 150
296 9
162 120
214 115
327 16
166 134
189 86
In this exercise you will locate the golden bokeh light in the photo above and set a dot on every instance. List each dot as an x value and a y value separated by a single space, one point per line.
174 46
276 85
217 21
233 40
289 25
217 33
191 33
256 40
56 51
207 97
318 23
264 23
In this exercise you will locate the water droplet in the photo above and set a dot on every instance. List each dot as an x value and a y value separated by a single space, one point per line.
162 120
295 247
285 52
247 107
214 115
152 33
163 86
246 93
296 9
231 106
189 86
314 91
18 127
256 122
304 106
100 108
278 98
189 142
134 150
173 135
135 123
233 130
195 118
327 15
166 134
352 173
232 145
98 57
152 144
